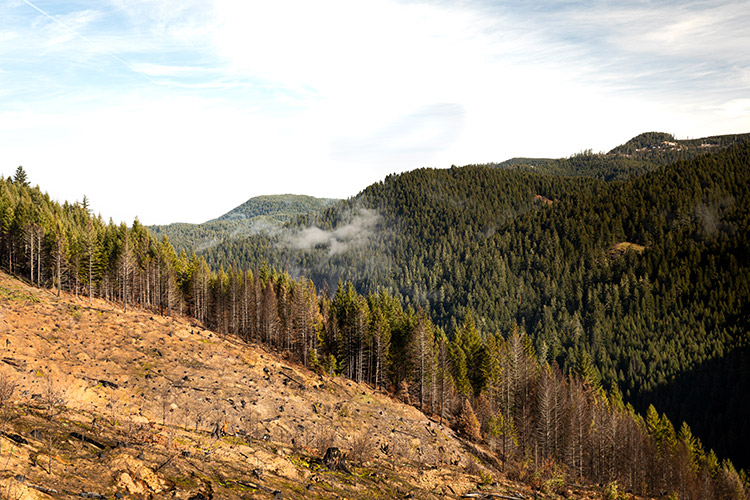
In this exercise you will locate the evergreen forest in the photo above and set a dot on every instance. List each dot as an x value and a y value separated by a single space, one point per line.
540 312
647 276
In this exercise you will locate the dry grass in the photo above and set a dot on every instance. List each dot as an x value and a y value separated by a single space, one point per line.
624 246
194 410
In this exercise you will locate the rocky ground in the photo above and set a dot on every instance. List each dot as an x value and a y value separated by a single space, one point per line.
100 403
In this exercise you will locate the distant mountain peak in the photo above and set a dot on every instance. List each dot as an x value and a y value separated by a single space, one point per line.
267 213
649 143
281 206
645 141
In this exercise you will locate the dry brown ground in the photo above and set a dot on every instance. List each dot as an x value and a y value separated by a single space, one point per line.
129 404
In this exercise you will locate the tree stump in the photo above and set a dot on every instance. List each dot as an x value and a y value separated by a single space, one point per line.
335 460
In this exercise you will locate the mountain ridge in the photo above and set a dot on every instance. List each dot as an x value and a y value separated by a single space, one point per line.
643 153
260 214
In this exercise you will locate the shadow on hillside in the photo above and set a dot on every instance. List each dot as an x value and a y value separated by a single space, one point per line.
715 401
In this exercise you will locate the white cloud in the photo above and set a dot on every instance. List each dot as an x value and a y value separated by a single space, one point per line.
736 108
355 233
192 107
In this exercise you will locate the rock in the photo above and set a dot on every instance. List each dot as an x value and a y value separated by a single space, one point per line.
135 475
131 486
198 496
18 491
335 460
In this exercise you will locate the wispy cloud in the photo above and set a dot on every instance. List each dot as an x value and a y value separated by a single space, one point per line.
355 233
325 97
417 135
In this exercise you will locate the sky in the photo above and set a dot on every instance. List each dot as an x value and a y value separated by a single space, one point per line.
180 110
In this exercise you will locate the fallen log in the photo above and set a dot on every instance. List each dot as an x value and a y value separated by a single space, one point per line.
18 365
255 486
165 463
86 439
293 380
43 489
484 494
89 494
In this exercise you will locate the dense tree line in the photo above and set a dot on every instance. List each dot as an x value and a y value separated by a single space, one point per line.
541 420
648 277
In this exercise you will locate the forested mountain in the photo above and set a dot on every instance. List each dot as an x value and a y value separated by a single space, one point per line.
641 154
260 214
647 277
524 382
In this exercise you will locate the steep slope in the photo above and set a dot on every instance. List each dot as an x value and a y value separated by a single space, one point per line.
262 214
550 253
111 403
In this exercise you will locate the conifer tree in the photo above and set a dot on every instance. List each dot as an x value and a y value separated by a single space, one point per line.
21 179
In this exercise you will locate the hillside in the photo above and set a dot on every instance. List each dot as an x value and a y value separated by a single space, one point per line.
108 402
540 389
278 207
550 253
644 153
261 214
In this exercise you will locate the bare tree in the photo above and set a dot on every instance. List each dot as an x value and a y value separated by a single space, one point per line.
53 399
125 265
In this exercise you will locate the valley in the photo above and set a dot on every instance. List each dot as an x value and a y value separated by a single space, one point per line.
546 324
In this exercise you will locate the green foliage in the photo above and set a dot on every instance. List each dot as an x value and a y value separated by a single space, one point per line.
485 477
631 282
610 491
21 178
507 252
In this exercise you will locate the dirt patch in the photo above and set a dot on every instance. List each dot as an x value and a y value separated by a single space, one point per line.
623 247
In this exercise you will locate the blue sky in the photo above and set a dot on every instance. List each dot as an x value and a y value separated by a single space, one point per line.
181 110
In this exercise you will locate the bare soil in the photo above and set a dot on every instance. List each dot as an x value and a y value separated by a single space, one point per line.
109 404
